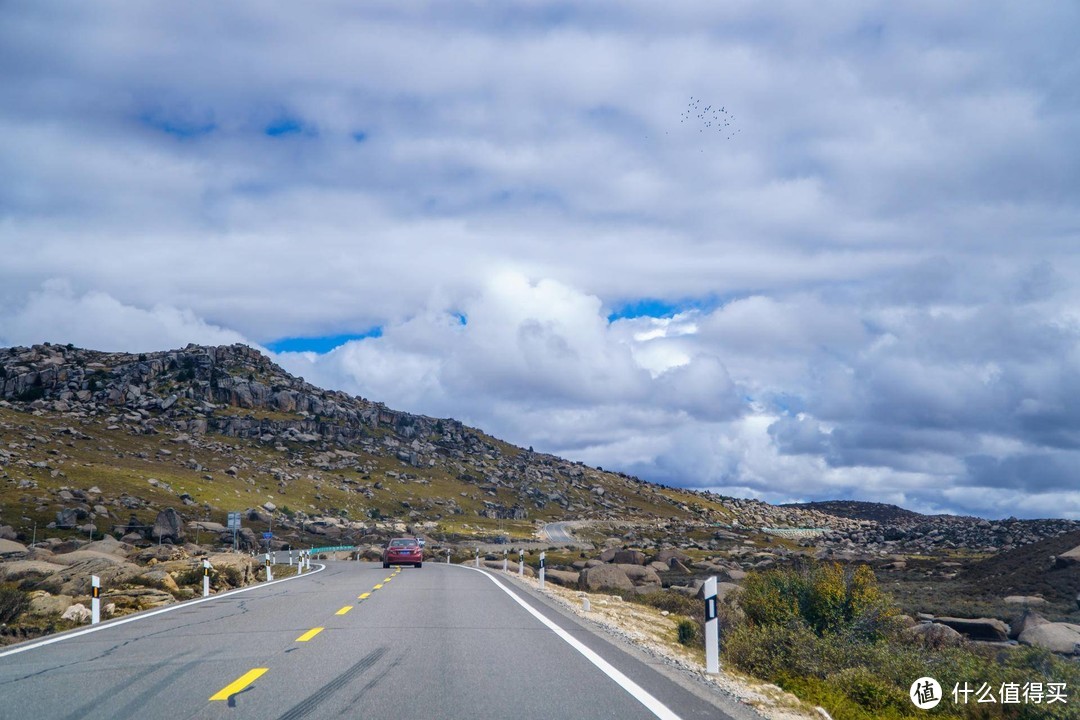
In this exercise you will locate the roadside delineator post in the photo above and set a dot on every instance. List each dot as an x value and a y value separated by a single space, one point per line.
585 604
447 556
712 635
290 557
506 562
205 578
269 570
521 562
476 563
95 599
542 557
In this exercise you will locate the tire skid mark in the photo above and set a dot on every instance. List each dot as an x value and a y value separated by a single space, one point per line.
312 701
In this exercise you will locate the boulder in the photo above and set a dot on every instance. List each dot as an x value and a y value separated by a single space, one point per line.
608 555
1060 638
78 613
676 565
990 629
628 557
561 577
723 589
934 635
669 554
1025 600
1068 558
159 579
604 577
20 569
8 533
168 526
111 546
1026 619
206 526
43 603
11 549
658 566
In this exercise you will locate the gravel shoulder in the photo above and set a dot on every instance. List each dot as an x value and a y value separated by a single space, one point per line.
647 634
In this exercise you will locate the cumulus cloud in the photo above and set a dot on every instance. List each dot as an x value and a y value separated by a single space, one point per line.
871 285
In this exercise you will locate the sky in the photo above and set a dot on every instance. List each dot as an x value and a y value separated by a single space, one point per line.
792 251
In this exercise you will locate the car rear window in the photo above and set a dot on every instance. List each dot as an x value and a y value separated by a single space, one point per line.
402 543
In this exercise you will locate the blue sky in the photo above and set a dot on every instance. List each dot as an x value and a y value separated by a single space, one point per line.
784 250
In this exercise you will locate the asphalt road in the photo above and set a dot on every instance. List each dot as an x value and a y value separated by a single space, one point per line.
560 534
438 642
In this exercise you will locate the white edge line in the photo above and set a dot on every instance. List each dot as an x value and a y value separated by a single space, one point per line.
151 613
639 693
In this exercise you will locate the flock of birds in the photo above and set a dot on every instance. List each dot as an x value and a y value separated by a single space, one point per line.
709 117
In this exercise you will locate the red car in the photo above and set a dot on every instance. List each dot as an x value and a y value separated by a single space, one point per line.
403 551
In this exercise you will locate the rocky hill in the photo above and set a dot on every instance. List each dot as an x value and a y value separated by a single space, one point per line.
857 510
95 442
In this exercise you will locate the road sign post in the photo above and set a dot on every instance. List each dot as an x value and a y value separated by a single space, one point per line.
543 556
206 578
712 635
95 599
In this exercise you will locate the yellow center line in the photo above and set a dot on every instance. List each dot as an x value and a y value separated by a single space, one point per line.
344 610
377 586
388 579
364 596
239 684
309 634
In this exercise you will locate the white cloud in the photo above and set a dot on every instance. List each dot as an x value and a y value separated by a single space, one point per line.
886 248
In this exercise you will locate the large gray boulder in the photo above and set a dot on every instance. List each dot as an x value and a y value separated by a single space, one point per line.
168 527
1027 619
934 635
629 557
989 629
78 613
1060 638
604 577
669 554
11 549
561 577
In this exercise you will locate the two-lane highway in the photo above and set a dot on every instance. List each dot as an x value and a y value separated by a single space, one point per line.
354 640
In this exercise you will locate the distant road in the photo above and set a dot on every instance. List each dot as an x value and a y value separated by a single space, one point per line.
561 533
351 641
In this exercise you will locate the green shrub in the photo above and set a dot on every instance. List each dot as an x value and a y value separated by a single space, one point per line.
13 602
688 632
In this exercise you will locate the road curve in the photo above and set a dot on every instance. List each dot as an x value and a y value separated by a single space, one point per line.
353 641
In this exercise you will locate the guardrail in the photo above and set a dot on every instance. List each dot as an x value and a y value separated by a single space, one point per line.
335 548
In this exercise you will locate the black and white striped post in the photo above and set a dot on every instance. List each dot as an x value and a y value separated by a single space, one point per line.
506 560
476 563
447 556
269 569
290 557
521 562
543 556
712 634
206 578
95 599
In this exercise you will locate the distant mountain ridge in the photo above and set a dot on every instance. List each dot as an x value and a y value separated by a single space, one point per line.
861 510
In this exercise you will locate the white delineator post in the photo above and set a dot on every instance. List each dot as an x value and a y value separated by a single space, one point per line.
521 563
269 570
506 561
543 556
206 578
95 599
476 563
290 557
712 634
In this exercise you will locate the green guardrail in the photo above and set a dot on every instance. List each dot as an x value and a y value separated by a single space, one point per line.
336 548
